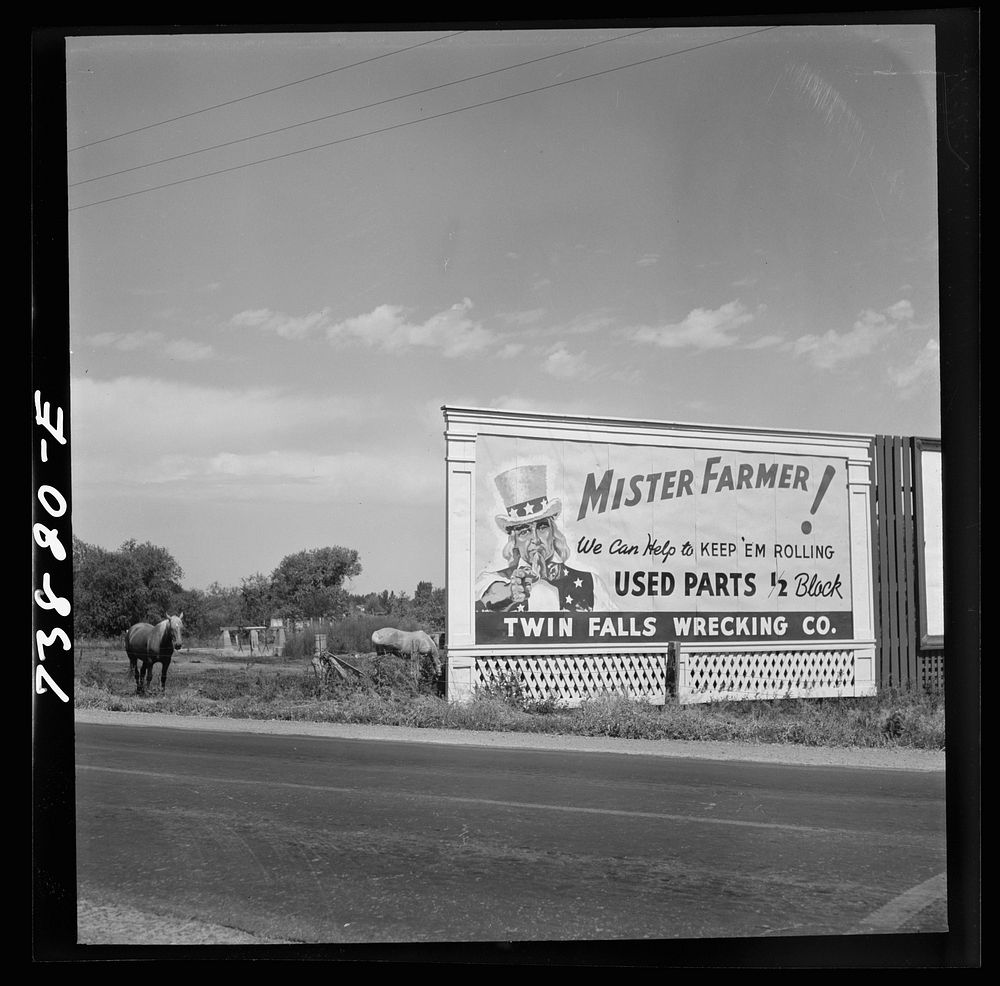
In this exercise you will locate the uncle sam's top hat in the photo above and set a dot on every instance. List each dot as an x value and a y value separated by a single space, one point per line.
524 491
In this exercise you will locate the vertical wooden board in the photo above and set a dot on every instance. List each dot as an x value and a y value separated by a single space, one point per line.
885 623
873 527
897 600
877 552
907 573
889 575
888 570
909 626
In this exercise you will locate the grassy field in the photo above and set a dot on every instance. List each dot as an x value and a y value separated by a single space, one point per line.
209 682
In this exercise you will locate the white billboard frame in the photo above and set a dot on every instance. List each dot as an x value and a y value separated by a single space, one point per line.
465 426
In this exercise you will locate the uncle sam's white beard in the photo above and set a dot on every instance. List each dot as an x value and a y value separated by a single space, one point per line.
537 556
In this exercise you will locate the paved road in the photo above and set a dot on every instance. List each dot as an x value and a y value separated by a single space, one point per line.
326 839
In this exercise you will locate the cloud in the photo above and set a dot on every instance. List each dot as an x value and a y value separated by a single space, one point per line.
566 365
533 405
286 326
701 329
224 443
147 292
901 310
510 350
530 317
648 260
923 371
136 414
126 341
388 328
744 282
587 324
869 332
764 342
188 350
298 475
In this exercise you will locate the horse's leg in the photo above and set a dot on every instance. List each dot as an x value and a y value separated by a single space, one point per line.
147 667
163 674
133 662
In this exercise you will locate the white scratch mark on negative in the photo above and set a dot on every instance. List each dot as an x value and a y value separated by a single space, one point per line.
900 909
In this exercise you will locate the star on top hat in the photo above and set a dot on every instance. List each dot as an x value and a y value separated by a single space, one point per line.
524 491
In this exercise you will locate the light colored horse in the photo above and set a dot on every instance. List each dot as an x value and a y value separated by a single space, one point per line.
149 644
406 643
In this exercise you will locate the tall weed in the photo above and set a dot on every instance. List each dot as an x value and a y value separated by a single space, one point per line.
385 692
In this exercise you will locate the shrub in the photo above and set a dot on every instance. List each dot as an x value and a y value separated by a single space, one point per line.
504 686
94 675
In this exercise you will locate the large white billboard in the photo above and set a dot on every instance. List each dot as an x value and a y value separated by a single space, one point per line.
599 543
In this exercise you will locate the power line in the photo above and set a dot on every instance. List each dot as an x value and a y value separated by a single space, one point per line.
410 123
263 92
356 109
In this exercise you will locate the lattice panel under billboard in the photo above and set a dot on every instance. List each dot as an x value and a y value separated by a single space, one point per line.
932 672
716 677
570 680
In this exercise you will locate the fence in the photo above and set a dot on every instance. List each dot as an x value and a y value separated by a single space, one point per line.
570 679
900 661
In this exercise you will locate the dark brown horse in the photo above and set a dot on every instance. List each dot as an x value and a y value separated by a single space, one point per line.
149 644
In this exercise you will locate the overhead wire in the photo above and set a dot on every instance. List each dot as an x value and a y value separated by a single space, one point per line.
355 109
264 92
424 119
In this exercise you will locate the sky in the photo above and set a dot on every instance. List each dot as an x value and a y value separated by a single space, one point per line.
721 225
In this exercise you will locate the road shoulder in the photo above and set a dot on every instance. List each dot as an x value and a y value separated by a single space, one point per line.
884 758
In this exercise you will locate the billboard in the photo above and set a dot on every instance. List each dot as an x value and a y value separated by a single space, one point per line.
600 543
930 543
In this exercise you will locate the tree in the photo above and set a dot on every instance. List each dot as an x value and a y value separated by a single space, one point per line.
222 607
114 589
256 601
428 606
159 575
308 583
107 598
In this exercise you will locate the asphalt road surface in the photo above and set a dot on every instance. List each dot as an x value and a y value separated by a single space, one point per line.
193 835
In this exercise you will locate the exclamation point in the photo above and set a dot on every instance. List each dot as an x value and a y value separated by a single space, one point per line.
828 475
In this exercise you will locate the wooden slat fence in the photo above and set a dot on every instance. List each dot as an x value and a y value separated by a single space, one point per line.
900 662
